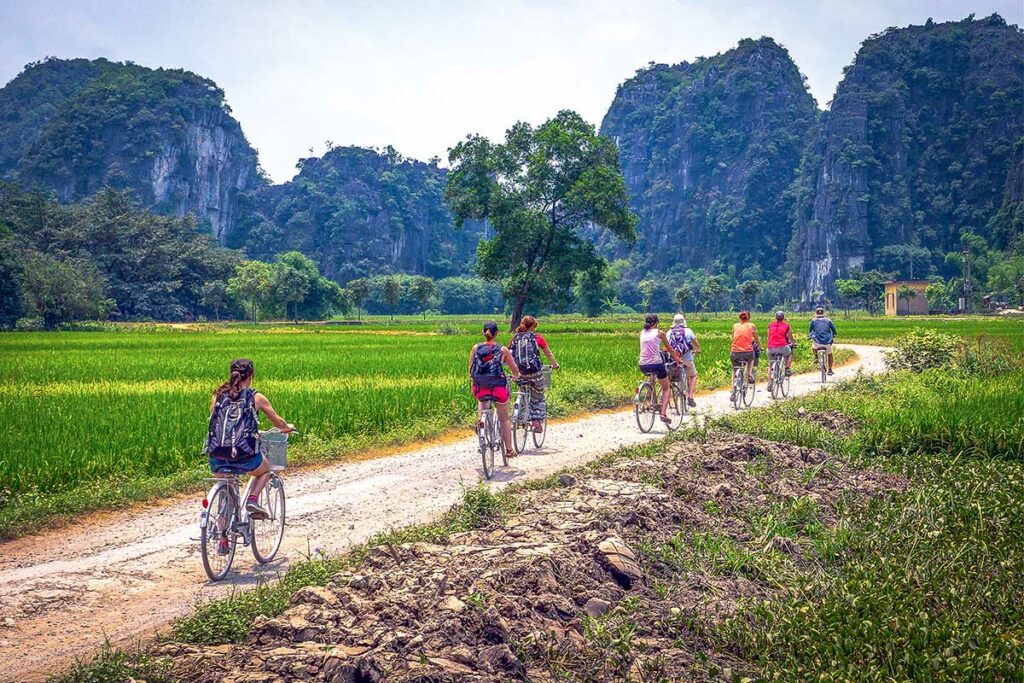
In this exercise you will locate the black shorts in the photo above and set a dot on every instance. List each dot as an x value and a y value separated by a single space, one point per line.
657 369
740 357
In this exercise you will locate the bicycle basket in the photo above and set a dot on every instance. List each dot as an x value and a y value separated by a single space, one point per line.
545 381
275 448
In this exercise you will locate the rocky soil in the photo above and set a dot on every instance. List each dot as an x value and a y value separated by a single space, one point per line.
616 573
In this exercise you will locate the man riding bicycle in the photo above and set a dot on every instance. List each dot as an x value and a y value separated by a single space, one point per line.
684 340
822 333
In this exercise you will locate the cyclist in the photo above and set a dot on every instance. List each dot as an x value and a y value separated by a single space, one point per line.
652 340
780 341
683 340
232 438
487 374
745 341
822 333
525 347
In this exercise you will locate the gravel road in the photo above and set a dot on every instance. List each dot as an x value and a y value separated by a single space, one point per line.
124 575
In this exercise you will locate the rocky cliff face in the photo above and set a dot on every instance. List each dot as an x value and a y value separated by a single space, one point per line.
916 148
78 125
708 150
360 212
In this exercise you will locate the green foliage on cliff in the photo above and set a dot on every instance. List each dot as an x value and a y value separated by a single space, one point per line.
708 149
360 212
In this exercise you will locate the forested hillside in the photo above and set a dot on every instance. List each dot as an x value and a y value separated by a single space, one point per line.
76 126
360 212
917 149
708 149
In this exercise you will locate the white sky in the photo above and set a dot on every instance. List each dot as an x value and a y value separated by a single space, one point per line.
422 75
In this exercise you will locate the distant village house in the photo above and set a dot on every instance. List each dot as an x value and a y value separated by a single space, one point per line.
898 301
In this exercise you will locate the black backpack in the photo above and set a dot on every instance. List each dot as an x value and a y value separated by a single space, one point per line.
487 370
233 427
525 350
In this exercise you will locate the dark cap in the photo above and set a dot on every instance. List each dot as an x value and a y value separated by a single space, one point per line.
820 311
491 326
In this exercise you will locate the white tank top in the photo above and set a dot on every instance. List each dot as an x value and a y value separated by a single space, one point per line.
650 346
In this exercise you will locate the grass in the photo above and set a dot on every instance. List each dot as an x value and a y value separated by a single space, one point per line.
110 417
919 586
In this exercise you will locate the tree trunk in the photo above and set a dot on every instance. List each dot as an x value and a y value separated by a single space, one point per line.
517 311
254 311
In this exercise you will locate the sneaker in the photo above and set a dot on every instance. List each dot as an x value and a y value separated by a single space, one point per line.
223 547
255 510
788 372
690 402
732 395
750 380
830 372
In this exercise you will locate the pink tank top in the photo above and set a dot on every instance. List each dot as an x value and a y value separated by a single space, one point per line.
650 346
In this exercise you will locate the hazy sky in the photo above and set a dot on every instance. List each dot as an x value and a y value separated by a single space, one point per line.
421 75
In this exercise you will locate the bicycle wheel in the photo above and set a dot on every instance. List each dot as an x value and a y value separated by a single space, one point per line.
676 409
738 381
538 437
774 383
486 444
520 424
221 513
823 365
643 407
749 389
498 443
784 384
268 533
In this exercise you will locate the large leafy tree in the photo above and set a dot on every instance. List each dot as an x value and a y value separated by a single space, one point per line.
252 283
536 191
59 290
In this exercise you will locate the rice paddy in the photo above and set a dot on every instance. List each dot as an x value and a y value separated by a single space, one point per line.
100 418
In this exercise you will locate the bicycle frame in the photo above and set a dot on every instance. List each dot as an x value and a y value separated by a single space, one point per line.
241 526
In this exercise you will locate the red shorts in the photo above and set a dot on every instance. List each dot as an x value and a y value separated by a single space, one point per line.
499 394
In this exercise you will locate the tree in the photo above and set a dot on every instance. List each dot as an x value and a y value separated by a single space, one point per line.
536 191
906 293
596 289
252 283
60 291
713 288
849 292
421 289
872 284
289 285
683 295
215 295
360 290
648 288
391 293
749 291
900 254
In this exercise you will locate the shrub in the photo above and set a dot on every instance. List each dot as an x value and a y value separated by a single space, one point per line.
447 329
921 349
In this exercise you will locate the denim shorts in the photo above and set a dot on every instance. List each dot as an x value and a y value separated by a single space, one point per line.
236 466
657 369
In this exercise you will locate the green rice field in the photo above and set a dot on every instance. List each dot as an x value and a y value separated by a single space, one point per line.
101 418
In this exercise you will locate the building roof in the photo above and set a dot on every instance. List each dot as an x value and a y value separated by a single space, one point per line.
907 282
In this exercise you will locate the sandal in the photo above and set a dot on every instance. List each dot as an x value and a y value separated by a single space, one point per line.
666 419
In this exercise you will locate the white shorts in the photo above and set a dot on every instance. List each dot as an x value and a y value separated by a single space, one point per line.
827 347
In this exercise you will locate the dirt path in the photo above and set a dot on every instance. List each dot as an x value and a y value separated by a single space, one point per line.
124 575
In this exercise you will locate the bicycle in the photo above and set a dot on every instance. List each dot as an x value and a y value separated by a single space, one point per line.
488 432
821 358
225 506
647 403
522 425
742 390
778 380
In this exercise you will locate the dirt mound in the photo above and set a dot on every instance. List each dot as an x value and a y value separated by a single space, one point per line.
613 573
831 420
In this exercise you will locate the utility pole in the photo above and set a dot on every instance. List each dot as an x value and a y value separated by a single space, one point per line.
965 300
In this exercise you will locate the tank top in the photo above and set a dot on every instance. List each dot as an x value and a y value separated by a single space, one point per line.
650 346
743 337
777 334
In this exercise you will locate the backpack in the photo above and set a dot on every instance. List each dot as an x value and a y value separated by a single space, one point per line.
525 350
487 370
678 341
233 427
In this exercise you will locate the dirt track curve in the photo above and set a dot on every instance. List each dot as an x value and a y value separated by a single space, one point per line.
122 576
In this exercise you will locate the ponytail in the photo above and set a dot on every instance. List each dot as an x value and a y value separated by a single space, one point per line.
526 324
650 321
241 370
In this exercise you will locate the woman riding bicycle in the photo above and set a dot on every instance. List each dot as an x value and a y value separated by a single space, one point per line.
652 340
525 347
744 340
487 374
232 441
780 341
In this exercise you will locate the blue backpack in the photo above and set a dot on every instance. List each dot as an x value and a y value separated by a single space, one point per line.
487 370
678 341
234 427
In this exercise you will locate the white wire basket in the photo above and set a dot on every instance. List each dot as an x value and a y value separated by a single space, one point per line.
274 445
545 381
